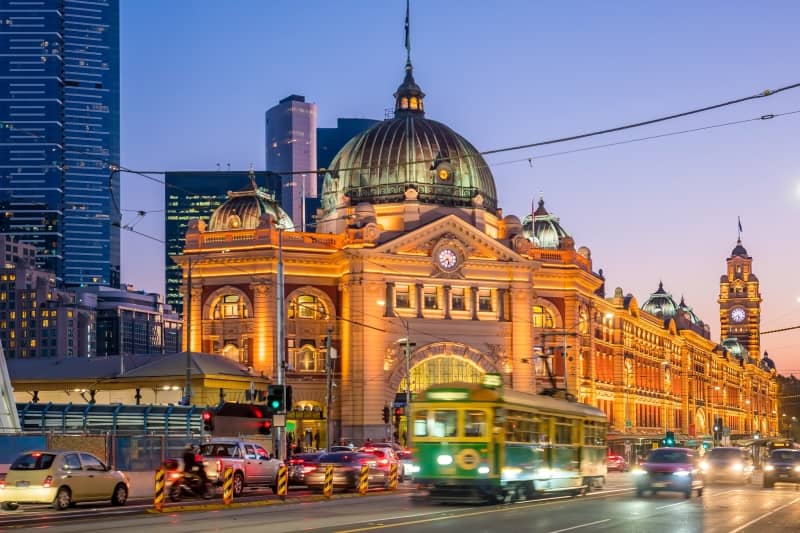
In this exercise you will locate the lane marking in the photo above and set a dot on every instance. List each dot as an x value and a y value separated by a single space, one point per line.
670 505
581 525
754 520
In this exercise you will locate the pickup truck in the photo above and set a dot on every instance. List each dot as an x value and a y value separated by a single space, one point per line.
252 464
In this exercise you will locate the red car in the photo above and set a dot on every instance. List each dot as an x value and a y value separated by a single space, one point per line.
670 469
616 463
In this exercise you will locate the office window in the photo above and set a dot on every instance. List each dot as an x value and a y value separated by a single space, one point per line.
484 300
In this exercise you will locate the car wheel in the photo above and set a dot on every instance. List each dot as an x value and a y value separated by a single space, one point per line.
238 484
699 492
687 494
9 506
63 499
120 495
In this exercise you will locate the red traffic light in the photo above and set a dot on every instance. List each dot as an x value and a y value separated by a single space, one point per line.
206 416
265 427
399 411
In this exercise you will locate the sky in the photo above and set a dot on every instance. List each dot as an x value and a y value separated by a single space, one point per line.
198 75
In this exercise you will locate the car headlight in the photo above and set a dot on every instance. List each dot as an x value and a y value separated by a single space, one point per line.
737 467
638 472
484 470
769 468
681 473
797 469
444 460
705 465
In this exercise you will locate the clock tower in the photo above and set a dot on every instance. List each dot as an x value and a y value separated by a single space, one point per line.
740 302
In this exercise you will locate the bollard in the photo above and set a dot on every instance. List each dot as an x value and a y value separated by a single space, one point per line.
283 482
327 488
393 477
158 501
363 479
227 486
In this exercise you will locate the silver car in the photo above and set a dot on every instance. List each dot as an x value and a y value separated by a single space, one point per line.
346 471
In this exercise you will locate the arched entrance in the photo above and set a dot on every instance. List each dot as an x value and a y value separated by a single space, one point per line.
442 362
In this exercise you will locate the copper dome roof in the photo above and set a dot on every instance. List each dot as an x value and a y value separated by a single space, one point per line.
409 151
660 303
547 231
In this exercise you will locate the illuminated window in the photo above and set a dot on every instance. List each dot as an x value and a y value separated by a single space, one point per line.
430 298
404 103
230 306
307 306
69 314
542 318
484 300
414 103
457 300
33 343
402 296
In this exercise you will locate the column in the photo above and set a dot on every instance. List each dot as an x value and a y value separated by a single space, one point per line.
447 302
501 304
419 299
389 299
474 302
260 354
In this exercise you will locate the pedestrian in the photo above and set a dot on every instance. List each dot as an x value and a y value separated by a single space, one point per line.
316 439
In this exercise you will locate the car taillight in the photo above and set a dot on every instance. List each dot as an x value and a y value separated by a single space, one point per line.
296 461
174 475
308 468
219 467
383 461
2 483
48 481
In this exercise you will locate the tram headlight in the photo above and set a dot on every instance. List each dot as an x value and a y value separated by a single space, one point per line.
544 472
483 470
511 472
444 460
681 473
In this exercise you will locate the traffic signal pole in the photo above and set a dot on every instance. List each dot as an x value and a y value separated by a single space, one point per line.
279 441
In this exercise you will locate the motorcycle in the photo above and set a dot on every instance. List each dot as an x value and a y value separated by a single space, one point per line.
189 485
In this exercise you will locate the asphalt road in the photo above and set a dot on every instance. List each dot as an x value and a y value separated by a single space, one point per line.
722 509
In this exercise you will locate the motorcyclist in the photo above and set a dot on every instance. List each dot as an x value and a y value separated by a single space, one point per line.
193 466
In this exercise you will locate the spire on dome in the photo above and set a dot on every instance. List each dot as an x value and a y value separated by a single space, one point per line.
252 176
408 98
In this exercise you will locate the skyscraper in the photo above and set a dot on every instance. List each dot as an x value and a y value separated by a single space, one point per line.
291 134
59 108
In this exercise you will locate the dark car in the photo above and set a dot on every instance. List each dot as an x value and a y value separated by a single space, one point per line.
299 464
616 462
346 470
783 466
670 469
728 464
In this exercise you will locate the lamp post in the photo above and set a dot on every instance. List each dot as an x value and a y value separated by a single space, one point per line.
407 349
187 386
280 361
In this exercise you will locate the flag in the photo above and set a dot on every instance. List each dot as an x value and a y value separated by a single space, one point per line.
408 36
740 224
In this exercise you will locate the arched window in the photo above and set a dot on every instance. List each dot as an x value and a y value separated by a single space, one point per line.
307 306
309 359
404 103
542 317
230 306
414 103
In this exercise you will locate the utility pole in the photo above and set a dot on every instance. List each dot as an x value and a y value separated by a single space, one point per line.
280 431
187 386
329 389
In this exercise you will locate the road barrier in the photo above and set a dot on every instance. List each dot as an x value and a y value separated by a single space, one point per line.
227 486
363 479
283 482
327 487
158 500
393 476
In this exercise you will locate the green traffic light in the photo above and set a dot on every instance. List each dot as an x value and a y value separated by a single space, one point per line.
275 404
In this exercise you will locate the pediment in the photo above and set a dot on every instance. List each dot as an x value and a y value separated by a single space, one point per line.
474 243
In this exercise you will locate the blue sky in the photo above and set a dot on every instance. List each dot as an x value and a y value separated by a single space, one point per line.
197 77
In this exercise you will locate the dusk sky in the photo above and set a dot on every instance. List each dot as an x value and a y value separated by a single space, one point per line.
197 77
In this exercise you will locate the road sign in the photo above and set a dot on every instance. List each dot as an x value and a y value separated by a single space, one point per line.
279 421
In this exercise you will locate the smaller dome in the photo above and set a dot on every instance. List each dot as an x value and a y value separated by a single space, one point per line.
585 252
543 229
693 318
739 250
660 303
766 363
736 349
244 210
513 225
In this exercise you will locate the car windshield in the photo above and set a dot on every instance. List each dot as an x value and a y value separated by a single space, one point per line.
665 455
33 461
725 453
785 455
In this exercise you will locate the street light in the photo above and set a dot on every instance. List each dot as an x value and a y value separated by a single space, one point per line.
407 349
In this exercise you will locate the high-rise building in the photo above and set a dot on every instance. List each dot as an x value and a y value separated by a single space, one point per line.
59 108
195 195
291 134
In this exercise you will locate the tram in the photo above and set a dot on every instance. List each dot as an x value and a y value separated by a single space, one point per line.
477 443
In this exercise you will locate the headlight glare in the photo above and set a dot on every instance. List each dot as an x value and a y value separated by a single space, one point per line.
483 470
769 468
681 473
444 460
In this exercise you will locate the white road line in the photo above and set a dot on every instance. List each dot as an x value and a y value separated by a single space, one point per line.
581 525
754 520
670 505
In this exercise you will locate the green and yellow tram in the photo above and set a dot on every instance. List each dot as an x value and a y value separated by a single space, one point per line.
478 443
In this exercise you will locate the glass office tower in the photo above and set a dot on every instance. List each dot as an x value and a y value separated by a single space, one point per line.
59 108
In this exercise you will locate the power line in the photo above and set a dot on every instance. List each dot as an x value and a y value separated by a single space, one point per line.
779 330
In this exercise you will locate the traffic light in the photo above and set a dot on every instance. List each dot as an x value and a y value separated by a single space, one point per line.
275 398
289 397
208 421
399 411
669 440
265 427
386 414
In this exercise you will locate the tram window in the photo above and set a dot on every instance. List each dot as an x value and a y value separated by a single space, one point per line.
421 424
444 423
474 424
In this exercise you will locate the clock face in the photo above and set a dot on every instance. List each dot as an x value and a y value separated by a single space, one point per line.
447 259
737 314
